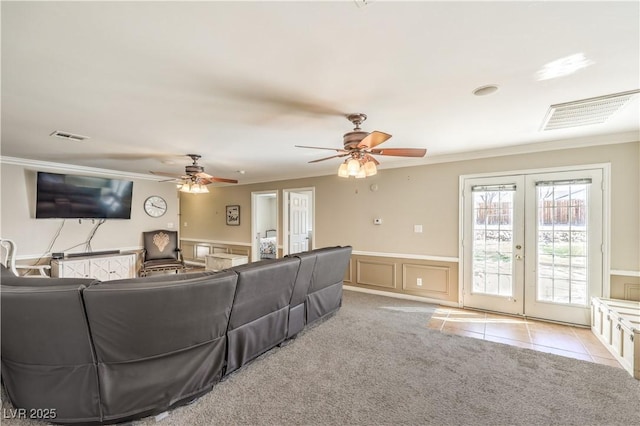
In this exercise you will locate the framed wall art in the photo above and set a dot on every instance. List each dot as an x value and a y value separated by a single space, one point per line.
233 215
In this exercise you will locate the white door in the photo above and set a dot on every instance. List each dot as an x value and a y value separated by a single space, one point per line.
533 244
564 261
493 243
299 225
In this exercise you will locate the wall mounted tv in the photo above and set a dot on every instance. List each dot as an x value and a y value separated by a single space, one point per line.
64 196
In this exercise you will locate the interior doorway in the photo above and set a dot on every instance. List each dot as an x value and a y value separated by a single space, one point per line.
534 244
264 225
298 220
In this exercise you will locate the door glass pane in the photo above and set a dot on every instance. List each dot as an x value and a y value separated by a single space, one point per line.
493 241
562 253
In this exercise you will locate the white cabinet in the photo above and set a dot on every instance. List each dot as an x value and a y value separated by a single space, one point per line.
103 268
617 324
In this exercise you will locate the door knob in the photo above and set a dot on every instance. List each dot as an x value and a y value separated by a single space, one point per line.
518 247
518 257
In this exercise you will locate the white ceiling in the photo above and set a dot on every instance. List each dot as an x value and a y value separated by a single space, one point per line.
241 83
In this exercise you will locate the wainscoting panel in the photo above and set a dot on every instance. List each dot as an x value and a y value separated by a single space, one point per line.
428 279
625 287
376 273
415 276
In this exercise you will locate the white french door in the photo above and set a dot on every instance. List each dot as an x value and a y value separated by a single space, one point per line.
493 244
532 244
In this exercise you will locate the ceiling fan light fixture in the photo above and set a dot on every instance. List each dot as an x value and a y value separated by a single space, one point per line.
370 168
198 188
343 170
193 188
353 167
361 173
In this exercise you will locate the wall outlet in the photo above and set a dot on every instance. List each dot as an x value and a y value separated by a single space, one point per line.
419 282
417 228
185 224
170 225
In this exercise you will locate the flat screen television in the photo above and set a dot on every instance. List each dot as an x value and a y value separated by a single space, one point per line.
63 196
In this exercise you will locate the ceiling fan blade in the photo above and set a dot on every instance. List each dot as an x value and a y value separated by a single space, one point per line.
203 175
207 181
374 138
171 175
206 178
274 97
400 152
327 158
320 147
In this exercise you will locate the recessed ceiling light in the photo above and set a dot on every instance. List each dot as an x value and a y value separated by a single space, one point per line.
563 66
485 90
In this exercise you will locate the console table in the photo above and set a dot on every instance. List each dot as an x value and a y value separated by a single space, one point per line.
101 267
218 261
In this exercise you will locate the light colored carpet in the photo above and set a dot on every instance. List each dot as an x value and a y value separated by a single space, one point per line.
376 363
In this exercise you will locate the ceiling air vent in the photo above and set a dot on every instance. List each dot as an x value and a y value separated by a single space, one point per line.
68 136
586 111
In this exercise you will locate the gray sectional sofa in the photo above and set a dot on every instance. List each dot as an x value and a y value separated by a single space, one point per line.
105 352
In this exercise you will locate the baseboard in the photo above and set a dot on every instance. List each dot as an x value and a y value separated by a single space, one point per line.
402 296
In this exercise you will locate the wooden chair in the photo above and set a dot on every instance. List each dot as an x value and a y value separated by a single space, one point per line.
161 252
8 259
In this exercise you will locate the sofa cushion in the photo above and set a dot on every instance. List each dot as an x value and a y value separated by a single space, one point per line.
36 281
164 278
47 358
297 306
260 310
159 341
144 317
263 287
325 292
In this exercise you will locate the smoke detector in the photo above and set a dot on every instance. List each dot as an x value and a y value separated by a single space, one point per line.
586 111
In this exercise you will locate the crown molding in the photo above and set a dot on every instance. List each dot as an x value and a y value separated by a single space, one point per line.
47 165
531 148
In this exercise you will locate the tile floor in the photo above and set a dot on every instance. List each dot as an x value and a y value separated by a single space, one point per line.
572 342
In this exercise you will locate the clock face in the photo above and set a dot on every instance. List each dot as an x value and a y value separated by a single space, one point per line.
155 206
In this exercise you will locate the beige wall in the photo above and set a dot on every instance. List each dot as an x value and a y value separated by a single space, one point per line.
33 236
426 195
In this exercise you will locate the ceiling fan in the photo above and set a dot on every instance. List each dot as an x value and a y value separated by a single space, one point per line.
194 178
360 147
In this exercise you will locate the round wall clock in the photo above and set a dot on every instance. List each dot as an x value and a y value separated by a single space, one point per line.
155 206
